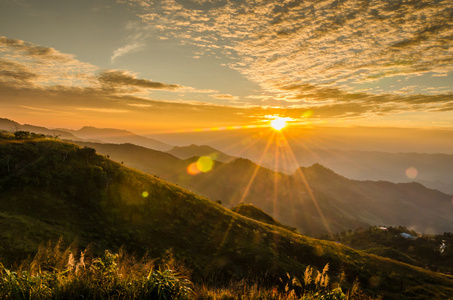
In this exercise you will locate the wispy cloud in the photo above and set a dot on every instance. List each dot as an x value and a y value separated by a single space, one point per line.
225 96
103 110
135 39
130 48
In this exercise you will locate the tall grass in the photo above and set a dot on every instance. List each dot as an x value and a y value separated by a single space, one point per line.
314 285
59 273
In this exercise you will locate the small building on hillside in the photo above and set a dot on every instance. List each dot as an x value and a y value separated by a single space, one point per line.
407 236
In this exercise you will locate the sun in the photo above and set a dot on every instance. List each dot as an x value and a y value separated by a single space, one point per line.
278 123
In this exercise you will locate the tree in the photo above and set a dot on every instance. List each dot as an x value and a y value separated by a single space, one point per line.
22 135
87 152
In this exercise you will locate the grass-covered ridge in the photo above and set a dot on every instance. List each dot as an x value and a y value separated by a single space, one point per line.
255 213
50 189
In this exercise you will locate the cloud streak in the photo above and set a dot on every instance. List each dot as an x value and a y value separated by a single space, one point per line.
135 40
115 78
130 48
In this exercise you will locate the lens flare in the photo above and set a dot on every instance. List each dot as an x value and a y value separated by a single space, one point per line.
192 169
203 165
411 173
307 114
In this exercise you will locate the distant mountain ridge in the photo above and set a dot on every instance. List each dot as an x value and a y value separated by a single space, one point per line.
376 154
185 152
11 126
432 170
89 133
118 136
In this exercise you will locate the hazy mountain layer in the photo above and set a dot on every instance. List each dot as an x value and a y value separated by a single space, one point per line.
361 153
432 170
117 136
333 148
11 126
195 150
87 133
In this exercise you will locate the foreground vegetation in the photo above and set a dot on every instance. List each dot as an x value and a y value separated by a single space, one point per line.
50 189
58 273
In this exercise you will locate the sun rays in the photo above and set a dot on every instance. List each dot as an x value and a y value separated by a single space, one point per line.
288 198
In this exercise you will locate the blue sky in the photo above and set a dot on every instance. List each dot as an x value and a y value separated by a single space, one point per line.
156 64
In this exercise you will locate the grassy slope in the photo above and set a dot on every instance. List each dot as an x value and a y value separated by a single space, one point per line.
58 189
423 251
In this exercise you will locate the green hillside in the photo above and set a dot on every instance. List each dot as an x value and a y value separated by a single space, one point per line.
434 252
50 189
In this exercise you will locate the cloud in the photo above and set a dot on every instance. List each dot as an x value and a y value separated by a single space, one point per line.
325 45
103 110
27 64
50 80
116 78
16 72
58 84
137 33
225 96
130 48
34 51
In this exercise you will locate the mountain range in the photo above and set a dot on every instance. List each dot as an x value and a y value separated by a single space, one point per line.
361 153
50 190
433 170
88 133
315 200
